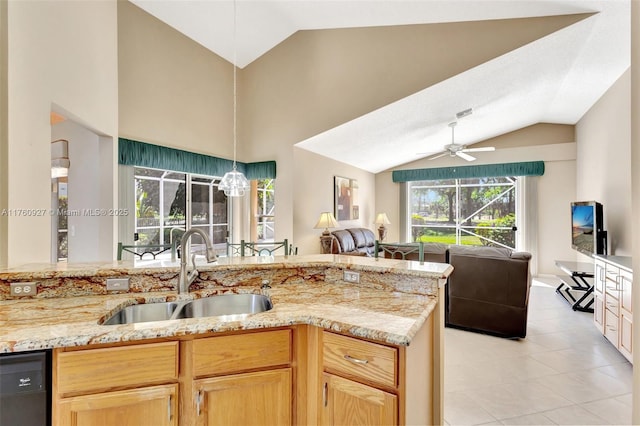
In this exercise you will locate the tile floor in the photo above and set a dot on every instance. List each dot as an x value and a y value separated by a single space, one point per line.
564 372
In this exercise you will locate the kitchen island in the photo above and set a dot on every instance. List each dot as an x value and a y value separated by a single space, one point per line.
391 320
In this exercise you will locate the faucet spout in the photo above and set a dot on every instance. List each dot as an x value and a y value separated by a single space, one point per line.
186 277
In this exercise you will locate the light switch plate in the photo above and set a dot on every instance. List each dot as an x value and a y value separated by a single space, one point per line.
118 284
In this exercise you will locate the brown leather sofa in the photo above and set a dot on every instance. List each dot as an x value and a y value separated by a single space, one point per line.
353 241
488 290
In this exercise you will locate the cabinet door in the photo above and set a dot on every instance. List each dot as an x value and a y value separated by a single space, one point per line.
626 335
260 398
626 283
598 312
346 402
154 405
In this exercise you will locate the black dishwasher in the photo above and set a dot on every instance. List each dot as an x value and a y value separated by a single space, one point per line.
25 389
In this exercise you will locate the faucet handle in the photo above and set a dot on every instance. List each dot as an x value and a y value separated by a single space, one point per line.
211 255
265 284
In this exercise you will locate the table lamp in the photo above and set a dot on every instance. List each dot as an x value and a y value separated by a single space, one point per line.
326 221
382 220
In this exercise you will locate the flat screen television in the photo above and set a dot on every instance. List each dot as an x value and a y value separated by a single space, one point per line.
587 235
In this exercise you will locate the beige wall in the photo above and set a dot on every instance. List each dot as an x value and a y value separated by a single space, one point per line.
316 80
61 56
604 162
172 91
314 194
635 194
4 140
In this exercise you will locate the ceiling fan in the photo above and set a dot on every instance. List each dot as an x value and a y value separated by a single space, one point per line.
454 149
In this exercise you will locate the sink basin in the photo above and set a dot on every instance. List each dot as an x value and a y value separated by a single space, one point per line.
143 313
231 306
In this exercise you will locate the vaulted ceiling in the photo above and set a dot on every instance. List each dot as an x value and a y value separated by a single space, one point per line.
555 77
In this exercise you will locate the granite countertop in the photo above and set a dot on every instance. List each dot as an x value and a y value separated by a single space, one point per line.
378 308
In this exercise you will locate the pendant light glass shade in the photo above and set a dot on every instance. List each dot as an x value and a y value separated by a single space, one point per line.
233 183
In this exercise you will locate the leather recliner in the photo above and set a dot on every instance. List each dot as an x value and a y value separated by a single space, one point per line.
488 290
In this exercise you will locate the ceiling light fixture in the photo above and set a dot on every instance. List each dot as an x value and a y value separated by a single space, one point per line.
233 183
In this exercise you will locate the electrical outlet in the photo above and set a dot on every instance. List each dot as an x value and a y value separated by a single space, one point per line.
118 284
351 276
24 289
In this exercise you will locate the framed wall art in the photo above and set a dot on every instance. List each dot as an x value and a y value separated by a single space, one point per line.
345 192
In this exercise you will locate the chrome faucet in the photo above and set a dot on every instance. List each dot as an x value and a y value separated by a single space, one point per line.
186 278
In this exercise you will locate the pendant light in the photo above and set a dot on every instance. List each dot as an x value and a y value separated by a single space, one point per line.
233 183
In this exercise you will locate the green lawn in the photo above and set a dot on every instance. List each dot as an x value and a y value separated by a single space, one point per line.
467 240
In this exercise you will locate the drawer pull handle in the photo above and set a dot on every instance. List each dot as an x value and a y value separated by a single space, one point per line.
169 408
325 399
356 360
198 402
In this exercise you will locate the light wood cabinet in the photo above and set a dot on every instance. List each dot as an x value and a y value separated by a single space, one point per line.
237 379
131 384
367 383
294 375
228 390
346 402
613 302
260 398
153 405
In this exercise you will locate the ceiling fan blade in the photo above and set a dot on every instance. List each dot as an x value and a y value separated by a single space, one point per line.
465 156
442 154
482 149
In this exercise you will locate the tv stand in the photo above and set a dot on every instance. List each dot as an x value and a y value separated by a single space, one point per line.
579 280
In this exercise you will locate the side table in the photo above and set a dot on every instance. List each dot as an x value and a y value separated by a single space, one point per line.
579 279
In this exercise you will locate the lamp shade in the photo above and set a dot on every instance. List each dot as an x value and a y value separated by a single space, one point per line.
326 221
382 219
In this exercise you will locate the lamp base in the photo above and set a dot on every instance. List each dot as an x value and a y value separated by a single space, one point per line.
326 242
382 233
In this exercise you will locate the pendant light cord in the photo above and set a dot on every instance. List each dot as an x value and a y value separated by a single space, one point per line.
235 87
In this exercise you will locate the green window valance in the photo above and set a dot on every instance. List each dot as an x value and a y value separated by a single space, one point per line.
134 153
529 168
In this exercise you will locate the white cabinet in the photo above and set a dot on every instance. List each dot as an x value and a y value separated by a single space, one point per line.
613 304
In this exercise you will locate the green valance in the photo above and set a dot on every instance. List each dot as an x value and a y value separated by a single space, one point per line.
529 168
134 153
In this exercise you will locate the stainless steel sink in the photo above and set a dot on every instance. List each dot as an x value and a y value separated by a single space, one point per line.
233 306
143 313
230 306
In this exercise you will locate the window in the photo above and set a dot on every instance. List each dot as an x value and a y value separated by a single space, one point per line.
162 210
61 220
478 211
265 219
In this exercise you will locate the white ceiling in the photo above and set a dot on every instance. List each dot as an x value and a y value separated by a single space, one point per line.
555 79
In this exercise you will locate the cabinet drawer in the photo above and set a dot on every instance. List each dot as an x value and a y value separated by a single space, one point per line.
612 304
104 369
360 359
611 327
227 354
